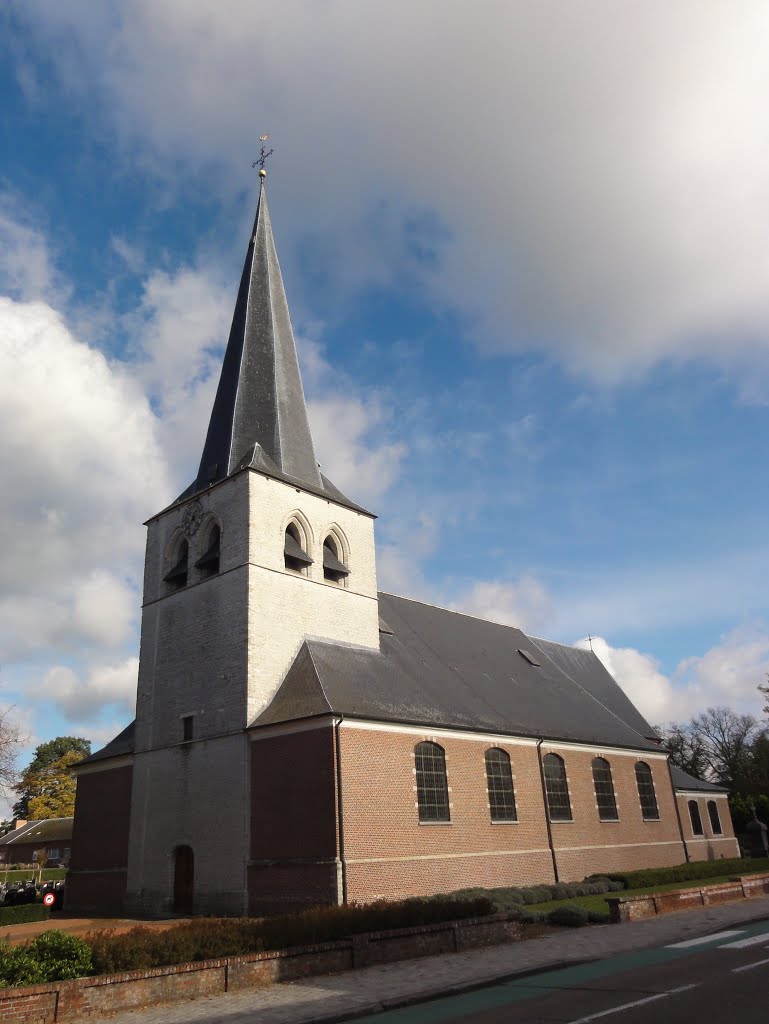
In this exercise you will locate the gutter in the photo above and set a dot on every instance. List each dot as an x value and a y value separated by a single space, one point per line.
678 811
339 814
540 741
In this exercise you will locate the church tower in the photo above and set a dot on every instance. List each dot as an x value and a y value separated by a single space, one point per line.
259 552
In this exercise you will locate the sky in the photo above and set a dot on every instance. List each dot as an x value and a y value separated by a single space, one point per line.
526 250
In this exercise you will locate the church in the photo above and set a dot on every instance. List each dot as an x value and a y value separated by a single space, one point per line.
303 739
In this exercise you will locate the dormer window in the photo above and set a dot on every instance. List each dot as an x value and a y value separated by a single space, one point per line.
209 560
177 574
334 570
294 555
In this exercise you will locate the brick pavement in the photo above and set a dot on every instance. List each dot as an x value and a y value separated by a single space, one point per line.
373 989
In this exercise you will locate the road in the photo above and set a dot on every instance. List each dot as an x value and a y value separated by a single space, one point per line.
720 978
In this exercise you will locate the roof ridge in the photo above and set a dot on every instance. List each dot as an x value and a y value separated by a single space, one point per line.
452 611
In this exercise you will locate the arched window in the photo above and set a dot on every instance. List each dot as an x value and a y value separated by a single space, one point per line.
432 787
499 782
604 790
696 820
646 794
334 569
715 820
177 574
294 555
209 560
557 788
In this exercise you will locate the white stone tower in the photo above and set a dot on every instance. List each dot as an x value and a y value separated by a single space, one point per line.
260 551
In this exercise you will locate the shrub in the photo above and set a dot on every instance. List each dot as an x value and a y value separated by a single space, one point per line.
531 917
536 894
18 914
570 917
60 955
559 891
17 967
598 916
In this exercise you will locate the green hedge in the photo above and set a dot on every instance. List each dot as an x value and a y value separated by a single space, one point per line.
694 871
24 912
52 956
209 939
512 898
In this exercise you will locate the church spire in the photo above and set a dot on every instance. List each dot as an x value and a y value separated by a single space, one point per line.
259 408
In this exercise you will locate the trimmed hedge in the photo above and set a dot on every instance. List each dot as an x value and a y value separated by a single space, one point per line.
209 939
693 871
24 912
511 898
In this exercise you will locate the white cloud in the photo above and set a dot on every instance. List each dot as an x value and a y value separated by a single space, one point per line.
727 674
525 603
602 169
26 271
82 698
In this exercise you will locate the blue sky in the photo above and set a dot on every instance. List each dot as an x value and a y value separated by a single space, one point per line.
526 248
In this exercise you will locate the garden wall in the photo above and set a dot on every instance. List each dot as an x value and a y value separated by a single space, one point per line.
113 993
635 908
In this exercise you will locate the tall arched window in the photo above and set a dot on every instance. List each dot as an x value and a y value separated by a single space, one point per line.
294 555
696 820
177 574
209 560
334 569
557 788
646 794
715 820
432 786
604 790
499 783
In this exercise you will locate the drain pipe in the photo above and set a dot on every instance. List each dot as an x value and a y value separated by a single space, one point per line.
678 812
339 815
540 741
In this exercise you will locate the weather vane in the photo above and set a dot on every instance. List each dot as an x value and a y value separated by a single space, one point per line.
263 154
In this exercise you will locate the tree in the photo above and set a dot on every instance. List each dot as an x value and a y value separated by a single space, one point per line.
763 689
47 786
686 748
727 738
10 741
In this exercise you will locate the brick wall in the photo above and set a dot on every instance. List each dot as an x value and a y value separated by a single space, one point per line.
711 845
588 845
293 850
388 853
97 873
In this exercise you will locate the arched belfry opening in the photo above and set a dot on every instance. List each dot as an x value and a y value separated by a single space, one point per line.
184 880
294 551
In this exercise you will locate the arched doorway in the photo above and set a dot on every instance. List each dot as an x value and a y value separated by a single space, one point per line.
184 879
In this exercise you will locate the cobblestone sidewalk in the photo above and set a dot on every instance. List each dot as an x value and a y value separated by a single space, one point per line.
377 988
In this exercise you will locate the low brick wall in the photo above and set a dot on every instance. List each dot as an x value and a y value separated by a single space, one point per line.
113 993
635 908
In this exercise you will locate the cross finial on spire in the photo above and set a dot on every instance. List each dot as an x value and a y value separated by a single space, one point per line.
263 154
590 641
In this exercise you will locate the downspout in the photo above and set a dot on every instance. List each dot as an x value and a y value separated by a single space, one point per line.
339 814
678 811
540 741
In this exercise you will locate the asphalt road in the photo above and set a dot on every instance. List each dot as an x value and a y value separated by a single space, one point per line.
720 979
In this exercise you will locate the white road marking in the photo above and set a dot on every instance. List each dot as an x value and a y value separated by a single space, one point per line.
706 938
749 967
636 1002
754 940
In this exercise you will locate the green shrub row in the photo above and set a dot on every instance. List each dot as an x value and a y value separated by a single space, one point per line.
511 897
210 939
693 871
23 912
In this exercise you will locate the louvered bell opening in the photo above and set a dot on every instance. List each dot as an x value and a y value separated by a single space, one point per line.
333 569
178 572
209 560
294 554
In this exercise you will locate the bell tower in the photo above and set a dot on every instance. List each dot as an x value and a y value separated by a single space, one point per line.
260 551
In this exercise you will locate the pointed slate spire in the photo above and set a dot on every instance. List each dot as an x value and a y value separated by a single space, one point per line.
259 407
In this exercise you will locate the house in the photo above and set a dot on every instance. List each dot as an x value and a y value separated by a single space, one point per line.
22 845
301 738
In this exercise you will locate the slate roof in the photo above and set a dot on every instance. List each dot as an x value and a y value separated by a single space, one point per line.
122 744
259 419
46 830
449 670
683 781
